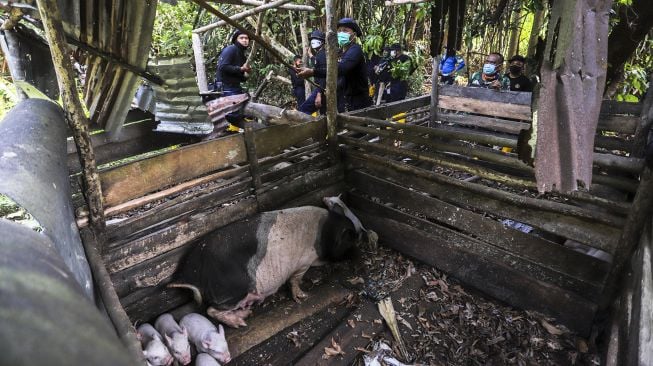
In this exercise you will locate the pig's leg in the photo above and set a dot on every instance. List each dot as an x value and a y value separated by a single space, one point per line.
231 318
249 300
295 280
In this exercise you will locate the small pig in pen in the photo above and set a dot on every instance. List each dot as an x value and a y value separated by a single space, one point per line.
206 337
242 263
175 337
155 352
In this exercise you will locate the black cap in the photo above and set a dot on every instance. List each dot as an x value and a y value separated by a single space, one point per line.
317 34
351 24
396 47
235 35
297 57
517 58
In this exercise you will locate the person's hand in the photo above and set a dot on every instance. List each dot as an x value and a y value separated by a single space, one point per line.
304 72
496 84
245 68
318 100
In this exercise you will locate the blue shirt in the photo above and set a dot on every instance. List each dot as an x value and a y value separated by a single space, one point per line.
451 64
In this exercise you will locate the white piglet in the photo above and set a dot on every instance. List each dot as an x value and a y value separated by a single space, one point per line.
204 359
206 337
175 337
154 350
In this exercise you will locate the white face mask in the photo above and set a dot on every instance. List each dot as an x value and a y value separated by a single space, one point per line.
393 53
316 43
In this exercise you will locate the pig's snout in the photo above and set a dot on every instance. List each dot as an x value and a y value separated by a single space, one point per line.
169 360
224 357
186 360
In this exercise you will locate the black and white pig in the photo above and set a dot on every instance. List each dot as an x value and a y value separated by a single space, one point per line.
246 261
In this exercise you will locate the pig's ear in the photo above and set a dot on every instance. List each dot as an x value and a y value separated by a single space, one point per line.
206 342
220 329
145 353
168 339
184 331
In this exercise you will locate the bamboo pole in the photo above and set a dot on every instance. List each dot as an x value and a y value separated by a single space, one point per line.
331 79
296 7
241 15
305 46
73 111
259 30
434 90
200 68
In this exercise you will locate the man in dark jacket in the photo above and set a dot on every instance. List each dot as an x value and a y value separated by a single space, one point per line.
399 81
231 64
231 71
298 88
353 88
316 101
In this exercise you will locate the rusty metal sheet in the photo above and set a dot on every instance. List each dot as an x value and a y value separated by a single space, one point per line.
220 107
573 79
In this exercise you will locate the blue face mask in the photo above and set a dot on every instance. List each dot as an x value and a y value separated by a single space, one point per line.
489 69
343 39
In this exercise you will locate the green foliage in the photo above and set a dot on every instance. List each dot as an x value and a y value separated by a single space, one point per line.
401 70
636 72
173 27
8 98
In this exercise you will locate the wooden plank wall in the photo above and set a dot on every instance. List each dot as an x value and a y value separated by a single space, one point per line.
172 200
630 340
439 193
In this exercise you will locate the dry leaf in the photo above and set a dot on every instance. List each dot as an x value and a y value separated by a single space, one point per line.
404 322
366 335
552 329
378 321
351 323
356 281
582 346
361 349
334 350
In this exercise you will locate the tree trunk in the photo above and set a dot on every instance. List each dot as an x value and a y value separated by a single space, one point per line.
538 21
515 30
573 79
305 45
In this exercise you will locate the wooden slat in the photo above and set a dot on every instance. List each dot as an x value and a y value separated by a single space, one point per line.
490 123
614 107
539 213
390 109
513 111
588 270
119 184
445 250
176 235
617 123
145 305
136 179
486 95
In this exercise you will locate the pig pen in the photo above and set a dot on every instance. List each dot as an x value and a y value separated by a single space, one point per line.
451 194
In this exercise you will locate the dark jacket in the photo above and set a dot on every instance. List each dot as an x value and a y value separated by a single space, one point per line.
320 68
295 80
352 72
229 63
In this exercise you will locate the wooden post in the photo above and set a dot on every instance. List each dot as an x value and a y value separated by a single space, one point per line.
305 46
200 69
259 30
379 93
434 91
254 170
331 80
77 120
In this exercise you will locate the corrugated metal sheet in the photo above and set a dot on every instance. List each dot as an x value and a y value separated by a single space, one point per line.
122 28
179 107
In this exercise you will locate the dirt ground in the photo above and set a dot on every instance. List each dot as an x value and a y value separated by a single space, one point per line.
440 321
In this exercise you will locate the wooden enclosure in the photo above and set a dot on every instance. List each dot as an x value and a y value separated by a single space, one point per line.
436 192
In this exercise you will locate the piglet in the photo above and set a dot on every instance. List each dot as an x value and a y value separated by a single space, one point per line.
206 337
175 337
204 359
154 350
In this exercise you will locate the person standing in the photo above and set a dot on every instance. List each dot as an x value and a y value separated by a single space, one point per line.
450 65
316 100
518 81
230 73
399 80
491 76
353 87
298 88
